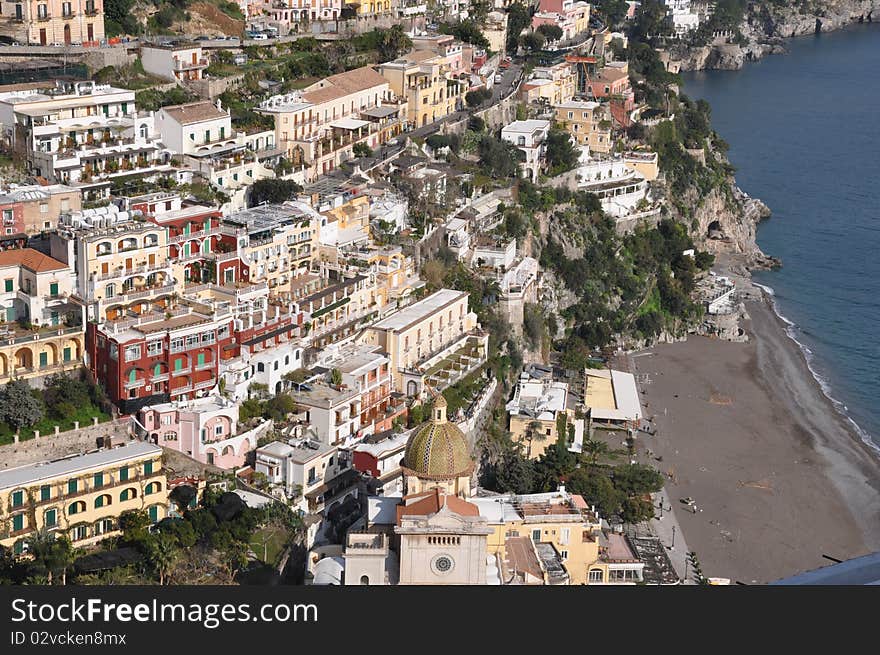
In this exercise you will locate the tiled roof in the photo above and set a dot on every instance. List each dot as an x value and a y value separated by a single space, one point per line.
438 451
30 259
343 84
194 112
433 501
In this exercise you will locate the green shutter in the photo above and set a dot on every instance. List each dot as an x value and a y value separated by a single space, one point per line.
44 359
53 289
99 502
18 548
200 359
154 513
99 479
9 285
17 498
132 376
51 518
18 522
73 509
178 364
157 370
123 474
45 492
71 486
68 354
148 468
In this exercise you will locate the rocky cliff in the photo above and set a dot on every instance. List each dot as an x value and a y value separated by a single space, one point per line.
764 27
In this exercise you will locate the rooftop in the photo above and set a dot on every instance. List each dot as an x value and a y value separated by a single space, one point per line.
300 450
194 112
612 395
420 310
527 127
30 259
74 464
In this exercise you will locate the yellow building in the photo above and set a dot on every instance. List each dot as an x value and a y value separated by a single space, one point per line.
82 496
587 122
554 84
425 80
643 161
534 410
368 8
53 22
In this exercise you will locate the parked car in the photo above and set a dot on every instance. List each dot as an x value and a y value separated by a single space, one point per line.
498 78
260 37
505 63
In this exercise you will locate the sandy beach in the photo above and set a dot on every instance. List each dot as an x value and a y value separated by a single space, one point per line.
778 475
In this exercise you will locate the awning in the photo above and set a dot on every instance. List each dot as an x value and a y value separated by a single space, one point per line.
349 123
380 112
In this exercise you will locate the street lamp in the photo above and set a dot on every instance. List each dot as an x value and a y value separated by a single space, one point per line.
672 547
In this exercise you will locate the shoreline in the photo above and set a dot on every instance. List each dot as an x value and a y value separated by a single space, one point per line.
779 474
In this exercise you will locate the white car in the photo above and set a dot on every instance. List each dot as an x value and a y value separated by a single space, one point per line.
260 37
498 79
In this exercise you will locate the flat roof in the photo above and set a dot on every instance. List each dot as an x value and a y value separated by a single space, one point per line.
70 466
611 395
419 310
526 126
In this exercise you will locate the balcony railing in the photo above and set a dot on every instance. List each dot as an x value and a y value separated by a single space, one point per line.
41 18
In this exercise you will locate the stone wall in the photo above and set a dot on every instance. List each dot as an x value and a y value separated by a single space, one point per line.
54 446
210 89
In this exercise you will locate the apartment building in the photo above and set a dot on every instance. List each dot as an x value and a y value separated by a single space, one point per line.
53 22
435 341
318 126
41 331
82 496
346 225
179 62
554 84
33 209
588 123
531 138
333 414
535 410
367 369
427 82
81 134
158 357
205 429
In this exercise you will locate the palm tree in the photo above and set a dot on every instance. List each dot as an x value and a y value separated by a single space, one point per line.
534 432
595 450
53 553
162 554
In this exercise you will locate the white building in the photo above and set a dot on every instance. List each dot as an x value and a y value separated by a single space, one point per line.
182 62
530 137
620 188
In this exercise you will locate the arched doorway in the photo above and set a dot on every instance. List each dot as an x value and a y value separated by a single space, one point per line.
67 34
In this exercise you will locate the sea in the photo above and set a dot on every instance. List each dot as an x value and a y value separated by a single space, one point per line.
804 135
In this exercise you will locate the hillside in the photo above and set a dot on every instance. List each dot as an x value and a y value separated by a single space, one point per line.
173 17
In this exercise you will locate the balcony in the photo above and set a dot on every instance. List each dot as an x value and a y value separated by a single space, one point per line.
42 18
67 15
189 65
159 378
207 384
135 384
183 389
199 234
181 371
93 11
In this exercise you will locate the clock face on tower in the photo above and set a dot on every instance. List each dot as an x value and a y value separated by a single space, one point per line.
442 564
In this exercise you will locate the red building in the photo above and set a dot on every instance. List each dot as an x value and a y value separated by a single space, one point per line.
176 358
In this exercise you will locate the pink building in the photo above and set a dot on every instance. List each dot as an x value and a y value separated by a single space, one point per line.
205 429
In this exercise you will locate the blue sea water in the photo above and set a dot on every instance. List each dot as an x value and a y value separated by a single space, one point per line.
804 135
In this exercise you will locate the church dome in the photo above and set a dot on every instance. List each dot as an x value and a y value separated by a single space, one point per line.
438 450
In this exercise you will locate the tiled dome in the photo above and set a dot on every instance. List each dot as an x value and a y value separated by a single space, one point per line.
438 450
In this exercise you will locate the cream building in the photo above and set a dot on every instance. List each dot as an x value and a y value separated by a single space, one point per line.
589 123
82 496
425 80
435 341
53 22
174 62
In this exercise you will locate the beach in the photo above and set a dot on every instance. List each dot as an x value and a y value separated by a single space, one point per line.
780 478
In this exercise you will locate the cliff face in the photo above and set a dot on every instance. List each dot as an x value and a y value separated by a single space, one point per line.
766 25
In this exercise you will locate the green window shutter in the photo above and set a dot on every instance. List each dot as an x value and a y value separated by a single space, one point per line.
53 289
99 479
73 509
51 518
17 498
44 359
200 359
10 312
154 513
45 492
148 468
9 284
18 522
178 364
68 354
99 502
157 369
123 474
132 376
71 486
18 547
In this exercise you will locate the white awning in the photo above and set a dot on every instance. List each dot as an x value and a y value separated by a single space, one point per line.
349 123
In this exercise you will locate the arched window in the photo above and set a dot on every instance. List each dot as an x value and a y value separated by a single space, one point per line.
103 501
77 508
152 488
127 494
365 580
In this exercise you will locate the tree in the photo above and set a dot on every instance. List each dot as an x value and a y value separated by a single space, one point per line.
392 43
550 32
466 30
135 525
514 473
637 479
614 11
162 553
561 153
594 450
335 377
362 150
434 271
272 191
534 432
63 391
498 158
280 406
597 489
54 553
18 406
533 41
636 509
477 97
519 17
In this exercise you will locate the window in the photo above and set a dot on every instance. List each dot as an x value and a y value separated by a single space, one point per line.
152 488
18 498
154 513
51 518
102 501
72 486
192 341
536 535
103 527
99 480
177 345
564 535
154 348
79 533
595 575
148 468
563 554
123 474
166 420
77 507
45 492
127 494
218 430
18 522
44 207
132 353
8 284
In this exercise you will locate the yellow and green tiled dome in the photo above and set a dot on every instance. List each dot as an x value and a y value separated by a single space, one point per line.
438 450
